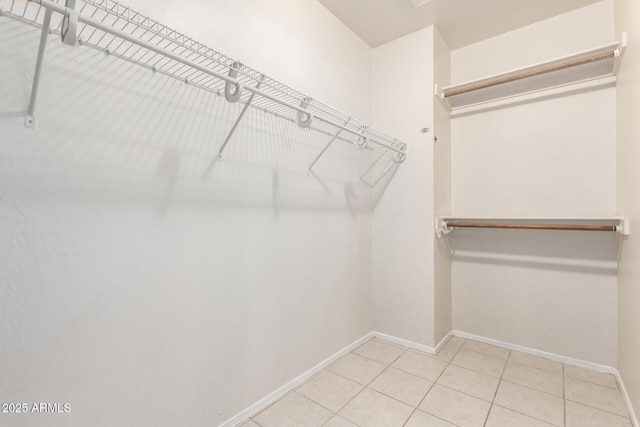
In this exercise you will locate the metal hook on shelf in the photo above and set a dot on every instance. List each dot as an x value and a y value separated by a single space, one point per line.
362 140
400 157
244 110
233 91
304 119
69 26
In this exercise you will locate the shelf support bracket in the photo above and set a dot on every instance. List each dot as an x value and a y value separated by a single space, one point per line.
30 119
442 229
235 125
440 95
619 53
624 227
327 146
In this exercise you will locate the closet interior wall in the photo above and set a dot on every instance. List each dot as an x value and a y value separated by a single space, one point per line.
551 156
141 277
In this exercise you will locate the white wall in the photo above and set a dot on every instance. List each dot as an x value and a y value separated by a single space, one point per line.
403 249
550 157
140 283
627 13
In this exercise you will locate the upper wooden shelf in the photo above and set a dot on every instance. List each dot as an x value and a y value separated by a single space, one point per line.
581 67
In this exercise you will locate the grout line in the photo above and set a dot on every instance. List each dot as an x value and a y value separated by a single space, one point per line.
534 389
424 397
522 413
433 384
594 383
495 393
600 409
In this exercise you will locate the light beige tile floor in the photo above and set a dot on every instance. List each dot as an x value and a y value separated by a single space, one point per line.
468 384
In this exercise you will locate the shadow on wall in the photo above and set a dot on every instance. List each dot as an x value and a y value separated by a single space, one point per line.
570 251
119 131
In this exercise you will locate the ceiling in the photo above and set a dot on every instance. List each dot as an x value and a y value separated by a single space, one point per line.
460 22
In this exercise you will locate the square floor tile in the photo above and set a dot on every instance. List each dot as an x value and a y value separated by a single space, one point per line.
422 419
533 403
357 368
585 416
402 386
421 365
595 395
503 417
371 408
479 362
590 376
489 349
536 361
470 382
293 410
446 353
456 341
338 421
535 378
330 390
379 351
455 407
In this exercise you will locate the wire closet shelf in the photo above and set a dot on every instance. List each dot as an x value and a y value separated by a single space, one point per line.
119 31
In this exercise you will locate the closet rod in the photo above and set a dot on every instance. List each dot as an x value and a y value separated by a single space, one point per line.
550 69
118 33
569 227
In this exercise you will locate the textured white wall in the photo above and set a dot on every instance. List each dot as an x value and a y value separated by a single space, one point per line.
627 14
550 157
141 283
403 249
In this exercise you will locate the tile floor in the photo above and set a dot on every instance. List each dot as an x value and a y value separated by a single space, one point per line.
467 384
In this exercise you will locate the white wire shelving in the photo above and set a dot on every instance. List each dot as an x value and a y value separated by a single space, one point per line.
117 30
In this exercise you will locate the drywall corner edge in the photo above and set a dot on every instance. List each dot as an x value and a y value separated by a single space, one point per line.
299 380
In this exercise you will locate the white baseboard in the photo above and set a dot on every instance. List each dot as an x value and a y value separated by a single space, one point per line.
627 401
443 341
412 344
291 385
533 351
559 358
